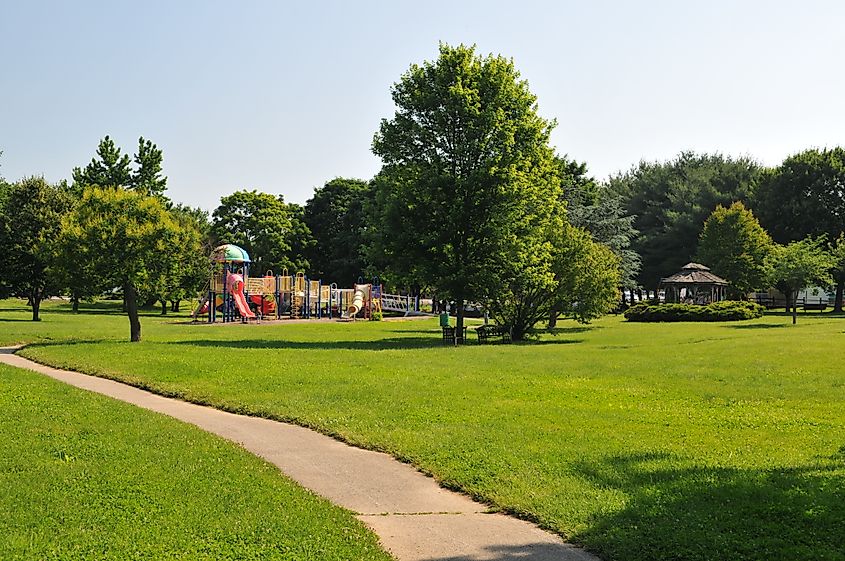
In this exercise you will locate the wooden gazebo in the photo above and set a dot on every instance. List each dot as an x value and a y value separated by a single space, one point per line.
694 284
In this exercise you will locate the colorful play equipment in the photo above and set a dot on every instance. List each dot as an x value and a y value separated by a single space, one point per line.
366 300
233 295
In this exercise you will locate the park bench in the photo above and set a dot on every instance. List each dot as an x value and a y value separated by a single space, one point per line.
487 332
451 337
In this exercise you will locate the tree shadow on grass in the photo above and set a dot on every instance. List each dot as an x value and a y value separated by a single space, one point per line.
757 326
108 310
540 551
805 313
430 331
677 511
544 342
433 341
392 343
571 330
71 342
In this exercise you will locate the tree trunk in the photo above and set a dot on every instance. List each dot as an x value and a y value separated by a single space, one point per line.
174 305
553 313
130 297
459 323
74 302
795 308
35 300
837 302
163 307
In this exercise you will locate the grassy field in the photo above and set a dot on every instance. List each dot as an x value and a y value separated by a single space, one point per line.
86 477
640 441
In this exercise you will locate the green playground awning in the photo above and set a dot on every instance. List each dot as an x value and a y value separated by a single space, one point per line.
230 252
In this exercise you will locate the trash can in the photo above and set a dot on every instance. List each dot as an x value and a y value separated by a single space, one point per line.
444 319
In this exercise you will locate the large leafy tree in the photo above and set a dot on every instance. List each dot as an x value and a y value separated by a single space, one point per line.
265 226
188 268
469 182
589 276
31 212
78 276
799 265
583 282
672 199
301 240
805 196
110 167
336 217
601 212
735 246
125 236
837 252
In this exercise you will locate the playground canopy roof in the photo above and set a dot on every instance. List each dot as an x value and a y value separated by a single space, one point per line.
231 253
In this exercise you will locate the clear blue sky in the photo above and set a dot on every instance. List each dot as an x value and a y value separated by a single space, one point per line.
283 97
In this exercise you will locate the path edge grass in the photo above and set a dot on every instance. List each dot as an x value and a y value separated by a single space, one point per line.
245 410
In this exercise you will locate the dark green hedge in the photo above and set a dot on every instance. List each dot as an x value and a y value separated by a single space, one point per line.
718 311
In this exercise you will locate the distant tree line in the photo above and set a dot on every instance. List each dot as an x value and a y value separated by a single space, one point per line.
739 218
472 206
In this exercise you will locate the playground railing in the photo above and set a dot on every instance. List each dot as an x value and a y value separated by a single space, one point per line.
269 285
256 286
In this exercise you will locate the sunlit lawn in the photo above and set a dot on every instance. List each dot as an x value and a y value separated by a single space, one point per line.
640 441
86 477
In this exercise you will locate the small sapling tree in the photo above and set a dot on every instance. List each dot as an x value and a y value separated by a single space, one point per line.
798 265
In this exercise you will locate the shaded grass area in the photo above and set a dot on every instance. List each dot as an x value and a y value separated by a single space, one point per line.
720 512
640 441
86 477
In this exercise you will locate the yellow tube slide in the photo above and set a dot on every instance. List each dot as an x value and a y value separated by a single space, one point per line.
361 290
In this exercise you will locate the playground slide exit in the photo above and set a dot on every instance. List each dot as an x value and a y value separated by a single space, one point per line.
236 286
357 300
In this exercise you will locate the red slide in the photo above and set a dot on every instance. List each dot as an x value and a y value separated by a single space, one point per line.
237 287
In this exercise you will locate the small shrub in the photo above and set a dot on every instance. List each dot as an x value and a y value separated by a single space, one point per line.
376 316
728 310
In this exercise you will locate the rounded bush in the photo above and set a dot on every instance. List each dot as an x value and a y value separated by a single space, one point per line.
728 310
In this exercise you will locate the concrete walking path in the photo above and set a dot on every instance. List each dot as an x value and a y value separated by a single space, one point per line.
415 519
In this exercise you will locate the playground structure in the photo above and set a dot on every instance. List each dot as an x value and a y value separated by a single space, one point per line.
233 295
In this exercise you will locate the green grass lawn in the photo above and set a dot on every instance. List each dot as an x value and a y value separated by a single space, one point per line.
639 441
86 477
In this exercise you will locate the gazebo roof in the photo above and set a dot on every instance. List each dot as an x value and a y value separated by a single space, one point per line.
694 273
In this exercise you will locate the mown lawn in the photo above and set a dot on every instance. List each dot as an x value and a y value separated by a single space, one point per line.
640 441
86 477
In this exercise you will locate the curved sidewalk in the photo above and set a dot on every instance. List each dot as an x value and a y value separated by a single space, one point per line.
415 519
